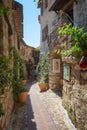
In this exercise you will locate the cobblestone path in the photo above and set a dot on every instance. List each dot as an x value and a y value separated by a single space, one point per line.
43 111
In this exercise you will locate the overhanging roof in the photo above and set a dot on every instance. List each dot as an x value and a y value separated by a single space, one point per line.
59 4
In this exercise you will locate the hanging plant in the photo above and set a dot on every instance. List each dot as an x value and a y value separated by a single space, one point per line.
79 39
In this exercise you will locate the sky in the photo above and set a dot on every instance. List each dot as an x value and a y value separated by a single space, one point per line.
30 22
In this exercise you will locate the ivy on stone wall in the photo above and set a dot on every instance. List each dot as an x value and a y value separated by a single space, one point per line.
4 10
5 73
17 72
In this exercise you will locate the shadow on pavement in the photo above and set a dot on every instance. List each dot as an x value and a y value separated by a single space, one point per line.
58 92
31 123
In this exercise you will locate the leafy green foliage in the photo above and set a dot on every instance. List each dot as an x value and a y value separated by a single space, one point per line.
22 89
4 10
79 38
5 73
37 48
43 67
17 73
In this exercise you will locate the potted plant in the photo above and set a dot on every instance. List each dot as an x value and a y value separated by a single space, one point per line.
43 72
22 94
17 75
43 85
79 44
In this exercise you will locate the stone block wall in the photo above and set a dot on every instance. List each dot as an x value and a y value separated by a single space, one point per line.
18 18
7 100
1 35
75 91
80 15
75 97
55 78
8 38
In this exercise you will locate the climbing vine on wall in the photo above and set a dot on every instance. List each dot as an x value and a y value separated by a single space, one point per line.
17 71
79 38
4 10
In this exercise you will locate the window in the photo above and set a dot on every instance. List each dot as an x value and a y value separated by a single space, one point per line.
45 33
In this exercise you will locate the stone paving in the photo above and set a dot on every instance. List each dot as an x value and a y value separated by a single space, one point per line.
52 102
19 118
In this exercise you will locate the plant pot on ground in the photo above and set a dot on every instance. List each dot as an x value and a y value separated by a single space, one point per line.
43 73
43 85
22 94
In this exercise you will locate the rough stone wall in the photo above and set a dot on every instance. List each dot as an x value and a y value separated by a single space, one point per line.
5 38
55 42
7 100
1 35
80 15
8 38
75 98
55 78
18 18
26 52
46 19
75 91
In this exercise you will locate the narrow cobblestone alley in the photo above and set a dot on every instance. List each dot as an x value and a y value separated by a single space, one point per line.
43 111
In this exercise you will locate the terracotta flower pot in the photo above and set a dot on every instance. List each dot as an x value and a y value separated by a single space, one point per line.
22 97
43 86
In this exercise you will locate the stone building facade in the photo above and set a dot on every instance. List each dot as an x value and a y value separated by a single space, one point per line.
75 84
7 39
11 35
46 20
27 53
